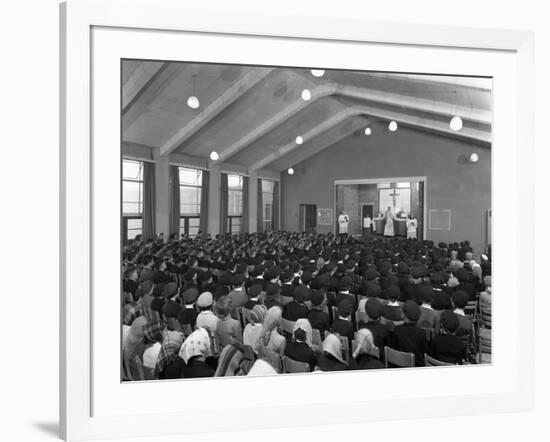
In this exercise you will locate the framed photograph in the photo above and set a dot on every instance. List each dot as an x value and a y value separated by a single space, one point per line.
203 156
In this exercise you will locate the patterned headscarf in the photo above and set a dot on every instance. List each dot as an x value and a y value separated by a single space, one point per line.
365 342
130 312
305 325
333 346
152 332
169 350
135 335
196 344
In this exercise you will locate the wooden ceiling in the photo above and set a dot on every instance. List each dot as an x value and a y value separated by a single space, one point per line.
251 115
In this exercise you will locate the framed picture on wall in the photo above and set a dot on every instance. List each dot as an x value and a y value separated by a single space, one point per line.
325 217
198 260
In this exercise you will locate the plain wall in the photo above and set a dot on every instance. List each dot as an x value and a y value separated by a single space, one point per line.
452 182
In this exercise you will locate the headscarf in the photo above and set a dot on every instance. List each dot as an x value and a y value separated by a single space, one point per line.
332 345
271 322
257 314
169 350
305 325
261 368
365 342
152 332
196 344
135 335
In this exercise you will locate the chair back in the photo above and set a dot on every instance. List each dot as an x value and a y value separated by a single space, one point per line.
287 326
316 338
430 333
432 362
396 358
292 366
484 355
344 342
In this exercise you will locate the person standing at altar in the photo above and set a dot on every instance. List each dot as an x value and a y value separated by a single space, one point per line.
412 225
388 218
343 221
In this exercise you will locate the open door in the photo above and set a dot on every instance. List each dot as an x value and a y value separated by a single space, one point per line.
307 218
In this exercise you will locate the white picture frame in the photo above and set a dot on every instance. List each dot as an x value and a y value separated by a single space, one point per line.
84 388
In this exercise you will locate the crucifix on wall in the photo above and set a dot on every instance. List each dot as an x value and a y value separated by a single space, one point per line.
394 196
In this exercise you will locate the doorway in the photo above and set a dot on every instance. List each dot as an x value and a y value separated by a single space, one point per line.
367 211
308 218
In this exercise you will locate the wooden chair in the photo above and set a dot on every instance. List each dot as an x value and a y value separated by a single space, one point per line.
287 326
316 338
241 315
396 358
292 366
484 353
430 333
346 351
432 362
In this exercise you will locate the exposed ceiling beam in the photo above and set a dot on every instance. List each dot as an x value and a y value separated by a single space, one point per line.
415 104
139 81
279 118
360 94
297 156
399 116
233 93
149 92
309 135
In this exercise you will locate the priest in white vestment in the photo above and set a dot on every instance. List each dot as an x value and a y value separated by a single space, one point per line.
343 221
388 227
412 225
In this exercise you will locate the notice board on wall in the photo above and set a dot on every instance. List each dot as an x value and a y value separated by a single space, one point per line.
324 217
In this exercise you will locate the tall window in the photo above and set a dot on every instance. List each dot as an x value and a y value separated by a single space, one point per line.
267 199
190 200
132 198
234 203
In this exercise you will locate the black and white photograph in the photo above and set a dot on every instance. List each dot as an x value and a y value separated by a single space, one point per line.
279 220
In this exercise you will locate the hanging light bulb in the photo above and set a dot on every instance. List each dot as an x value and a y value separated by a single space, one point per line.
214 156
317 72
290 171
474 157
299 140
306 95
193 102
392 126
368 131
456 123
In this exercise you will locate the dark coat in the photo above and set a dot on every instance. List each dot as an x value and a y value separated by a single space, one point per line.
447 348
301 352
411 339
366 362
294 311
319 320
343 328
197 369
